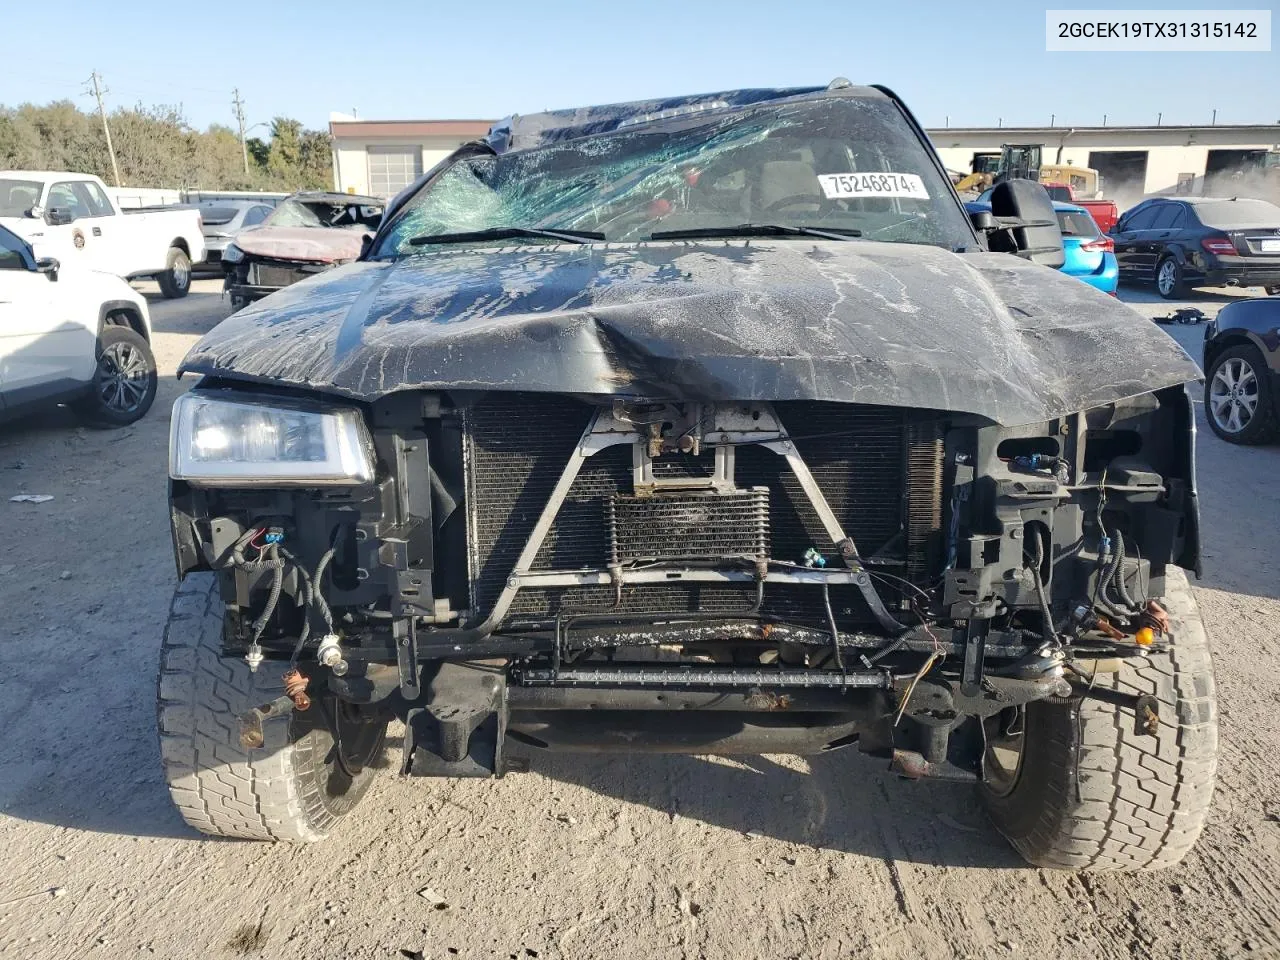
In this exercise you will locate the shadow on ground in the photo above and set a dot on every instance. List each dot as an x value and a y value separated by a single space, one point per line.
1238 542
22 438
1138 292
105 777
841 801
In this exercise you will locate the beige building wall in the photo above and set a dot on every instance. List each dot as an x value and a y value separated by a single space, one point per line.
350 167
426 142
351 158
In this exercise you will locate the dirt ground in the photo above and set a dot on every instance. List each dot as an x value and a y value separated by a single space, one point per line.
629 857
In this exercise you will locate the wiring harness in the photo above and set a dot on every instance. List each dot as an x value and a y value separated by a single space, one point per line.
271 555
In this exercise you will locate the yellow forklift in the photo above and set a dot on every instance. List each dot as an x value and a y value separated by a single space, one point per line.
1023 161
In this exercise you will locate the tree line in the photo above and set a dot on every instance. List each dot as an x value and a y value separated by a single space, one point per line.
157 147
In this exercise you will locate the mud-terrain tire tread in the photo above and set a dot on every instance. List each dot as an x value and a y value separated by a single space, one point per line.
1141 801
1264 427
220 787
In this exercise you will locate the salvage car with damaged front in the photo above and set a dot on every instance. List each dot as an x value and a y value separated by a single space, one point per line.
707 425
308 233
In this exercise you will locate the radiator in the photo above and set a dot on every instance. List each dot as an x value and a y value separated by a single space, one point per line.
879 469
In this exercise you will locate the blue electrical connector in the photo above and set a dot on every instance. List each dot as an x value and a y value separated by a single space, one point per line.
1035 461
812 558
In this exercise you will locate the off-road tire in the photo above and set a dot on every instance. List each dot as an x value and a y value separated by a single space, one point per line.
1263 426
284 790
1178 288
1090 793
175 282
93 408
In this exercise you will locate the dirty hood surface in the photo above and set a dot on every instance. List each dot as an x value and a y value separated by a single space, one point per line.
859 322
319 244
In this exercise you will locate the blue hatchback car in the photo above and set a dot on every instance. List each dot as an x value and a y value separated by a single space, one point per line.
1090 253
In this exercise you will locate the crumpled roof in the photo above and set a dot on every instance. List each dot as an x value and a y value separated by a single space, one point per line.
524 132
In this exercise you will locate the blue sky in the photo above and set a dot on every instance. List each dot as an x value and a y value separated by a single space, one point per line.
399 59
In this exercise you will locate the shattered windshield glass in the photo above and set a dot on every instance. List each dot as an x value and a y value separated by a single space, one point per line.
323 213
845 163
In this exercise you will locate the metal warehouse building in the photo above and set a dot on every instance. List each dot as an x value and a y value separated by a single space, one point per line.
1134 161
381 157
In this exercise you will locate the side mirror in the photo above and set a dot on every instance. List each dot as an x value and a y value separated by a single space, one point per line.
366 244
58 216
36 212
1026 224
49 267
982 221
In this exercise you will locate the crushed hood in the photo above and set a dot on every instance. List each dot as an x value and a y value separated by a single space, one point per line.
318 244
858 322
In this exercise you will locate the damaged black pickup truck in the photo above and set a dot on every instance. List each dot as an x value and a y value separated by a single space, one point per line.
706 425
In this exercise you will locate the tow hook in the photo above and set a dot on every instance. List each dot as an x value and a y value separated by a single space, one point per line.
294 698
251 736
911 765
1145 707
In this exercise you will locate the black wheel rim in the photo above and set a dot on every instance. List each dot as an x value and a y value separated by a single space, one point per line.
1005 736
124 375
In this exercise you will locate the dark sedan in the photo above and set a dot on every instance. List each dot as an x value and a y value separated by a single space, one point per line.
1242 371
1200 241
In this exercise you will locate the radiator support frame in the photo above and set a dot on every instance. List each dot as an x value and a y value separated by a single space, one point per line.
729 426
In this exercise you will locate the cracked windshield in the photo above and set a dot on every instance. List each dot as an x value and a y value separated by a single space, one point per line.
850 167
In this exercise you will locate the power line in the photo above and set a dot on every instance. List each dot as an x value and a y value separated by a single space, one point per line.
150 80
98 91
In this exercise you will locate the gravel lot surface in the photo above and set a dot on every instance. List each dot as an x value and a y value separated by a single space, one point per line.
643 857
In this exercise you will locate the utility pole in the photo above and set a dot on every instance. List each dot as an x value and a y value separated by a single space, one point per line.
98 91
239 105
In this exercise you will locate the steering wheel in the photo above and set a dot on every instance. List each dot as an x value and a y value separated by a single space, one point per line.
797 200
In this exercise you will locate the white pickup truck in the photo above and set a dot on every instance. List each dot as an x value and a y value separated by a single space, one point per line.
69 216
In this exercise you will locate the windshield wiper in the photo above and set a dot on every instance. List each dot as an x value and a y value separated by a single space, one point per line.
508 233
757 230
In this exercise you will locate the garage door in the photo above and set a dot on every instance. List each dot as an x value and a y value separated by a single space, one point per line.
391 169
